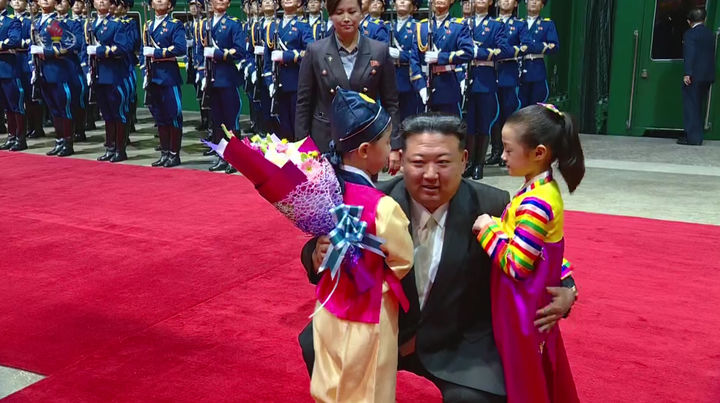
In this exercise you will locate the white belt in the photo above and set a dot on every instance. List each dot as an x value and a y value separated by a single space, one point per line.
443 69
509 59
485 63
534 56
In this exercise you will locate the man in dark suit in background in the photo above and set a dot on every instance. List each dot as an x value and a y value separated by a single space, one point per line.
446 336
699 55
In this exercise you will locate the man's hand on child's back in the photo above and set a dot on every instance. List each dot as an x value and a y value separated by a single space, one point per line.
321 248
563 300
482 223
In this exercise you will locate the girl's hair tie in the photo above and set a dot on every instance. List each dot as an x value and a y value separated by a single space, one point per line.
552 107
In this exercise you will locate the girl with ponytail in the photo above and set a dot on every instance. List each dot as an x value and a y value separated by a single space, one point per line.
526 247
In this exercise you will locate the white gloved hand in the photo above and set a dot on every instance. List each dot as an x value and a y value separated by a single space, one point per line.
204 84
475 51
33 77
462 88
394 53
209 52
197 77
271 90
246 72
36 50
92 50
89 77
145 82
424 96
253 77
259 50
431 57
190 42
148 51
277 56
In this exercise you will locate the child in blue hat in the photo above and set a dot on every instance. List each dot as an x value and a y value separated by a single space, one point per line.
355 326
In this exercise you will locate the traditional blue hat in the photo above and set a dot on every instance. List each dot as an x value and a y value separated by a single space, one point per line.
355 119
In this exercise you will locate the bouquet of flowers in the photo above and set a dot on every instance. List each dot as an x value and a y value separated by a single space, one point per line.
294 177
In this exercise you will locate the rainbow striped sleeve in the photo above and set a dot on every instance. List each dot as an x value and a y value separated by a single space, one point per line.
517 255
566 270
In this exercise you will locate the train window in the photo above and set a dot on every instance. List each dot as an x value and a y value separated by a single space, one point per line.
670 25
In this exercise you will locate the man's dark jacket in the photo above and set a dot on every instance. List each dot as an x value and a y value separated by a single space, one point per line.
454 339
699 54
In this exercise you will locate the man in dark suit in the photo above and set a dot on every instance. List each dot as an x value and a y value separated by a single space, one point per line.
349 60
699 55
446 335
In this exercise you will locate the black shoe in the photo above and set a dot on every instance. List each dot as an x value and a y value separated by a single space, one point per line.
494 159
67 150
219 165
230 169
172 161
8 143
109 152
477 172
59 143
208 152
164 155
684 141
34 134
118 156
19 145
80 137
468 170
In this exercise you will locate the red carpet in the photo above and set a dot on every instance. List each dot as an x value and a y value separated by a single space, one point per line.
127 283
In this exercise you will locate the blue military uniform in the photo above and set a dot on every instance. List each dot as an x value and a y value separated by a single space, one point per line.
132 61
76 24
318 26
228 40
482 106
59 81
33 96
408 70
541 38
508 77
374 28
166 37
195 57
293 36
451 38
11 88
113 44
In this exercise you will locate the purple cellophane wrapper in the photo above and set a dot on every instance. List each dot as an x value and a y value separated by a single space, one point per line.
308 205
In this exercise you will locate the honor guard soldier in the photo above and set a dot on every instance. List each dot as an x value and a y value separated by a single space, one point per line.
55 69
164 42
467 10
224 45
412 93
33 107
261 97
76 25
109 44
450 45
315 18
482 102
121 10
541 38
285 43
195 25
373 28
11 90
507 68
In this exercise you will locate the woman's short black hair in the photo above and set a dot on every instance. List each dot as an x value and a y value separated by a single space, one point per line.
434 122
332 5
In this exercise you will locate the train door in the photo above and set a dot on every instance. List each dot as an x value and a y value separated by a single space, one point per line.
648 65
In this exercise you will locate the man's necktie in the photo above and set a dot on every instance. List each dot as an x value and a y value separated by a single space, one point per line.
424 246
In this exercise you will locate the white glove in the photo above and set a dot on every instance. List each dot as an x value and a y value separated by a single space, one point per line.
92 50
197 78
89 77
431 57
277 56
394 53
209 52
424 96
33 78
204 84
462 88
145 82
148 51
271 90
475 51
190 42
259 50
36 50
253 77
246 72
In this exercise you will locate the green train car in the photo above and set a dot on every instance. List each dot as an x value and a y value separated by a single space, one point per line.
619 69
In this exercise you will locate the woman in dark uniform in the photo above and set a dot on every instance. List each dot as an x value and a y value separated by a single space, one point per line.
347 59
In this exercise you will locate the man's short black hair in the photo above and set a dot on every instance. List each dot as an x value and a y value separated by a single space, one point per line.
434 122
697 14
